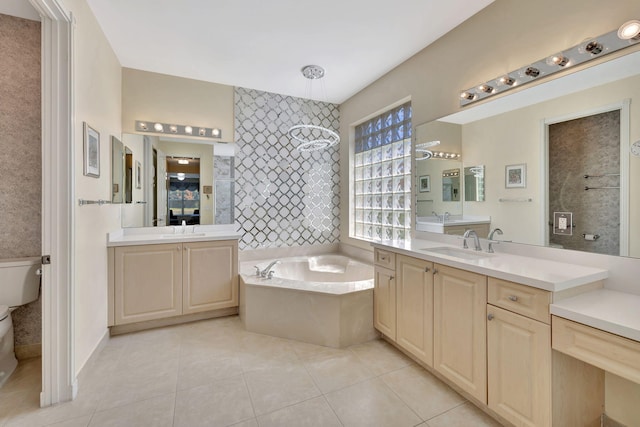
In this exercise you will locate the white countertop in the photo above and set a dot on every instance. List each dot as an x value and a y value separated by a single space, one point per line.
610 311
433 225
175 234
543 274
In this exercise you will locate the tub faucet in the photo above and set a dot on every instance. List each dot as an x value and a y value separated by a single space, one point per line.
491 240
471 233
267 273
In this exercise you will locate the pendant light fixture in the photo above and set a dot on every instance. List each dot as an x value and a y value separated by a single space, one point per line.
313 137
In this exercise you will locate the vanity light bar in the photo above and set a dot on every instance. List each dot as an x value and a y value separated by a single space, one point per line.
627 35
184 130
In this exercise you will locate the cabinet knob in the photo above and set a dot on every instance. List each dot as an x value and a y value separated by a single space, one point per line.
383 258
489 316
391 278
426 269
178 248
513 298
435 271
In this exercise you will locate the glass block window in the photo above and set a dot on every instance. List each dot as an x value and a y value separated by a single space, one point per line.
383 176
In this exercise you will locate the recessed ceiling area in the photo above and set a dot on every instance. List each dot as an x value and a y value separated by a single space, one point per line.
19 8
263 45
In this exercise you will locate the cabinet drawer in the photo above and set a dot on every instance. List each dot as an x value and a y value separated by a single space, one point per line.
384 258
612 353
521 299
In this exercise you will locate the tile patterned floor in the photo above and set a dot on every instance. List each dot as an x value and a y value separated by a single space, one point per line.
214 373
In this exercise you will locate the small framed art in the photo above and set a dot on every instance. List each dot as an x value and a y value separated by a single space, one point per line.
91 151
515 176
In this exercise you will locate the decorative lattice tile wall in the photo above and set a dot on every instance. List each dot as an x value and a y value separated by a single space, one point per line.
284 197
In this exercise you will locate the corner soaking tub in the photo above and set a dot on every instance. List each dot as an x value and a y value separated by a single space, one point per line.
324 300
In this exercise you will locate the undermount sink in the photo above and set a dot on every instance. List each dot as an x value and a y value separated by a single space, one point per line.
457 253
171 236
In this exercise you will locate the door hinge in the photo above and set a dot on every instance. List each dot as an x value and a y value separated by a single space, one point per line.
46 259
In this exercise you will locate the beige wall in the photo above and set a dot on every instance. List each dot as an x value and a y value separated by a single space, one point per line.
98 102
20 161
170 99
504 36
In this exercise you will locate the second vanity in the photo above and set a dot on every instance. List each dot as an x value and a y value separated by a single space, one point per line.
513 334
166 275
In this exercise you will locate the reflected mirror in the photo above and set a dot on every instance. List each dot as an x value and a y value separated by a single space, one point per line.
117 170
128 175
474 184
558 148
179 179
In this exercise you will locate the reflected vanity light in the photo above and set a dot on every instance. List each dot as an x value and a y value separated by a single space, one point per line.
187 130
183 161
627 35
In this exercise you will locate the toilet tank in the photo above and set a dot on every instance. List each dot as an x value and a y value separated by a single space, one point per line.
19 280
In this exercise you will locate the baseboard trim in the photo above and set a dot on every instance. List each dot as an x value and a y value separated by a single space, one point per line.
610 422
170 321
28 351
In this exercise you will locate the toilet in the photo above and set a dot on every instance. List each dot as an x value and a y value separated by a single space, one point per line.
19 285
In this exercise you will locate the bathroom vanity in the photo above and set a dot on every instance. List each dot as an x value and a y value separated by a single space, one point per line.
517 336
165 275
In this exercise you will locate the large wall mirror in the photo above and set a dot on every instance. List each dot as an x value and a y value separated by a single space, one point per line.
554 161
171 181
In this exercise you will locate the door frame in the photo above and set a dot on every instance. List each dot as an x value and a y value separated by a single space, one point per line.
59 381
624 108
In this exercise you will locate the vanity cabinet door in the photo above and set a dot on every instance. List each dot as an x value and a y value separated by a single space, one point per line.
415 307
209 276
460 346
148 282
519 368
384 302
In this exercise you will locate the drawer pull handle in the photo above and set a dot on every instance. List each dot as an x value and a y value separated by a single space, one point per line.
489 316
513 298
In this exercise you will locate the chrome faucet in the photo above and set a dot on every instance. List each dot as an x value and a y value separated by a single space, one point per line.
468 234
491 240
267 273
445 217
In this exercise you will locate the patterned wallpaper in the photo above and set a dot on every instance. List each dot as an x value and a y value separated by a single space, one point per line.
586 146
284 197
20 158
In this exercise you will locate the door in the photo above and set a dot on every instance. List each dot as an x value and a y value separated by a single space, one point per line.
161 189
148 282
459 344
209 276
384 302
415 307
519 368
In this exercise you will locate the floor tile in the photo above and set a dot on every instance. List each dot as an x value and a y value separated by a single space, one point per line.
335 372
221 403
83 405
371 403
422 392
275 388
155 378
153 412
74 422
26 377
311 413
380 357
464 415
196 372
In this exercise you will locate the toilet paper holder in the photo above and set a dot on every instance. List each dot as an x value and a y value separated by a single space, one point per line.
592 237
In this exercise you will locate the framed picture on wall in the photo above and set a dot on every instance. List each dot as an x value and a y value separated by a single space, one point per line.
91 151
424 183
138 174
515 176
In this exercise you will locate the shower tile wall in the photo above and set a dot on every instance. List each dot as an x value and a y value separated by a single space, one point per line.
284 197
20 157
586 146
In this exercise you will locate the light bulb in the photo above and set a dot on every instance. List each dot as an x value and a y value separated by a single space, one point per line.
215 133
558 59
592 47
469 96
143 126
183 161
188 130
630 30
202 132
507 80
158 127
173 129
485 88
531 72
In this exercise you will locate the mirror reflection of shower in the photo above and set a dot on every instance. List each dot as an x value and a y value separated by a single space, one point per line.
183 197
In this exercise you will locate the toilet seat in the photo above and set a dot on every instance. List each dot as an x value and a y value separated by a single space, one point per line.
4 312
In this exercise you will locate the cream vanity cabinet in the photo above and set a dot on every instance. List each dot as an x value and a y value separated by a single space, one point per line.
519 353
414 315
459 331
384 293
155 281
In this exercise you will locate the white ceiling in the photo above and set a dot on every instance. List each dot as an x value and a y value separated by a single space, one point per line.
19 8
262 44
